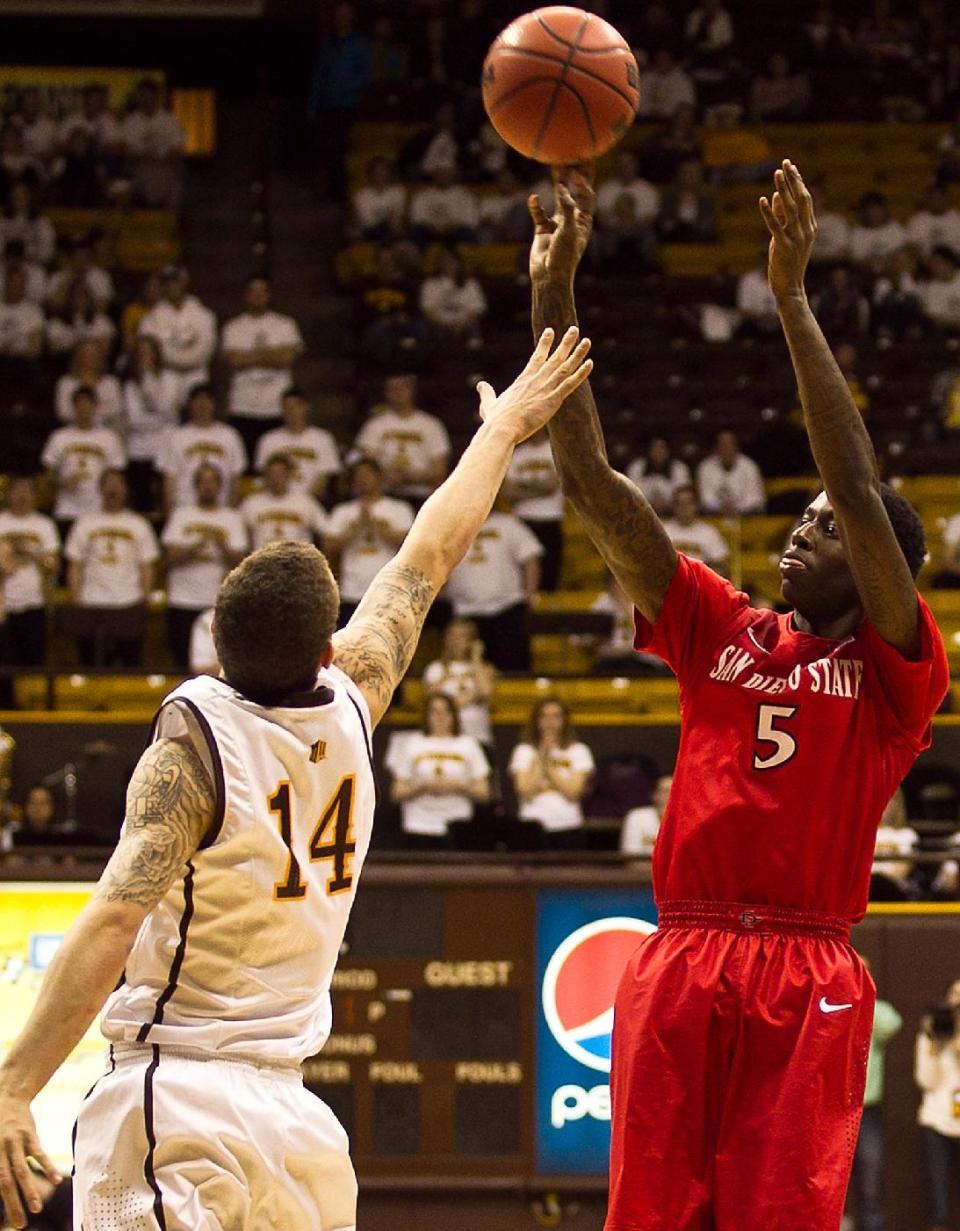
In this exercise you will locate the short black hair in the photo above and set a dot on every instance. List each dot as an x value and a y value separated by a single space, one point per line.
907 526
274 617
294 391
83 391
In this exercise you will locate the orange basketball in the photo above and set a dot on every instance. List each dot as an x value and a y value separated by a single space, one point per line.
560 85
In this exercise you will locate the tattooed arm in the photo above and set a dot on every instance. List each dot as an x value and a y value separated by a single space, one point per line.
839 440
377 645
618 518
170 805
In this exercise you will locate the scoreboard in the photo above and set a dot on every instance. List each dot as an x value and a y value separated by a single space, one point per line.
430 1056
446 1061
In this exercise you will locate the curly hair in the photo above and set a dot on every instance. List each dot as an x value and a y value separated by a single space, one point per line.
274 617
907 526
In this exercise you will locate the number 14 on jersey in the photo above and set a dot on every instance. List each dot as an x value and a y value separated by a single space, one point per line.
332 839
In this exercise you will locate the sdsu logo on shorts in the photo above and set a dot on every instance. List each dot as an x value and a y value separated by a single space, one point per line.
580 983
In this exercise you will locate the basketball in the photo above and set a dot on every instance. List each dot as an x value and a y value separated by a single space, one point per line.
560 85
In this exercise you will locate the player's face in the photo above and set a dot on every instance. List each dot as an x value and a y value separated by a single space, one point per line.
815 577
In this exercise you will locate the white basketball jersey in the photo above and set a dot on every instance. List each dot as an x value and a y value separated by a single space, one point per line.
238 956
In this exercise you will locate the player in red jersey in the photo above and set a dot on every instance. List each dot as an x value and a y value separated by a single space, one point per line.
742 1025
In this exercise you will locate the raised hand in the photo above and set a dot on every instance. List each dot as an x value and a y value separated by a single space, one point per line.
559 242
792 225
542 387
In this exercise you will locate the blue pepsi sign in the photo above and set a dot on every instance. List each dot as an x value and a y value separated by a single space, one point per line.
584 941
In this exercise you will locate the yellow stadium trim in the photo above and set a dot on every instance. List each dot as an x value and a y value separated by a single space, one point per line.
914 908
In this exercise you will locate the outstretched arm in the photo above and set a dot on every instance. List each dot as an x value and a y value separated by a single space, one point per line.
616 514
377 645
170 805
839 440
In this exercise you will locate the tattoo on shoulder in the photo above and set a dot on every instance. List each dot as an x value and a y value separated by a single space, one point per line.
170 803
378 645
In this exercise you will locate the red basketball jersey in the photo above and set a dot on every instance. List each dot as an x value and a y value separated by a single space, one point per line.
790 747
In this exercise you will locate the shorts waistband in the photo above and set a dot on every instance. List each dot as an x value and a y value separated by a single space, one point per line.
753 920
131 1053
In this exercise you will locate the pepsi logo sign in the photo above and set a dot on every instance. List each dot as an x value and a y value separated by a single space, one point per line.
580 985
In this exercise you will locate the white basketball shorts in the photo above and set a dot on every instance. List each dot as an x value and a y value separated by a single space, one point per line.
169 1143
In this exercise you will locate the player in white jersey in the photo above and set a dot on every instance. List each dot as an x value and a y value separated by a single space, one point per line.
213 933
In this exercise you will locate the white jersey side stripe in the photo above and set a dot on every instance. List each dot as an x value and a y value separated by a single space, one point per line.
171 987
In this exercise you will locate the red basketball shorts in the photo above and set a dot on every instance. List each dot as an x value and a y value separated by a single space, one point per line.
740 1046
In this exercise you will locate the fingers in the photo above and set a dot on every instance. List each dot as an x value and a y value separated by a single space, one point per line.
487 398
801 193
12 1164
541 351
543 223
575 379
564 348
568 355
566 202
583 193
767 214
47 1166
779 211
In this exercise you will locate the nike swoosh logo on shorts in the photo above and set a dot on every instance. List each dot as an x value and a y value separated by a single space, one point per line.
827 1007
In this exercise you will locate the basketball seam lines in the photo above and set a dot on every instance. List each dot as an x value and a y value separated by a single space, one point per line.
561 80
577 68
585 51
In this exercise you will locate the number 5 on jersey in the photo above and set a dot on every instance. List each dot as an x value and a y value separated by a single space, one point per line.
338 814
784 745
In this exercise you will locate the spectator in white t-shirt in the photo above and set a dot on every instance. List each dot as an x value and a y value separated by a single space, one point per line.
153 140
80 265
664 87
462 673
87 367
15 160
940 296
504 217
495 584
444 210
95 118
755 301
551 770
411 446
261 347
833 230
936 222
203 651
363 533
627 182
379 206
21 322
728 482
658 474
937 1073
641 825
438 774
79 320
34 549
112 556
15 257
453 300
201 542
532 486
38 129
895 837
185 329
77 456
202 438
278 513
23 220
877 236
692 535
312 451
948 576
150 399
